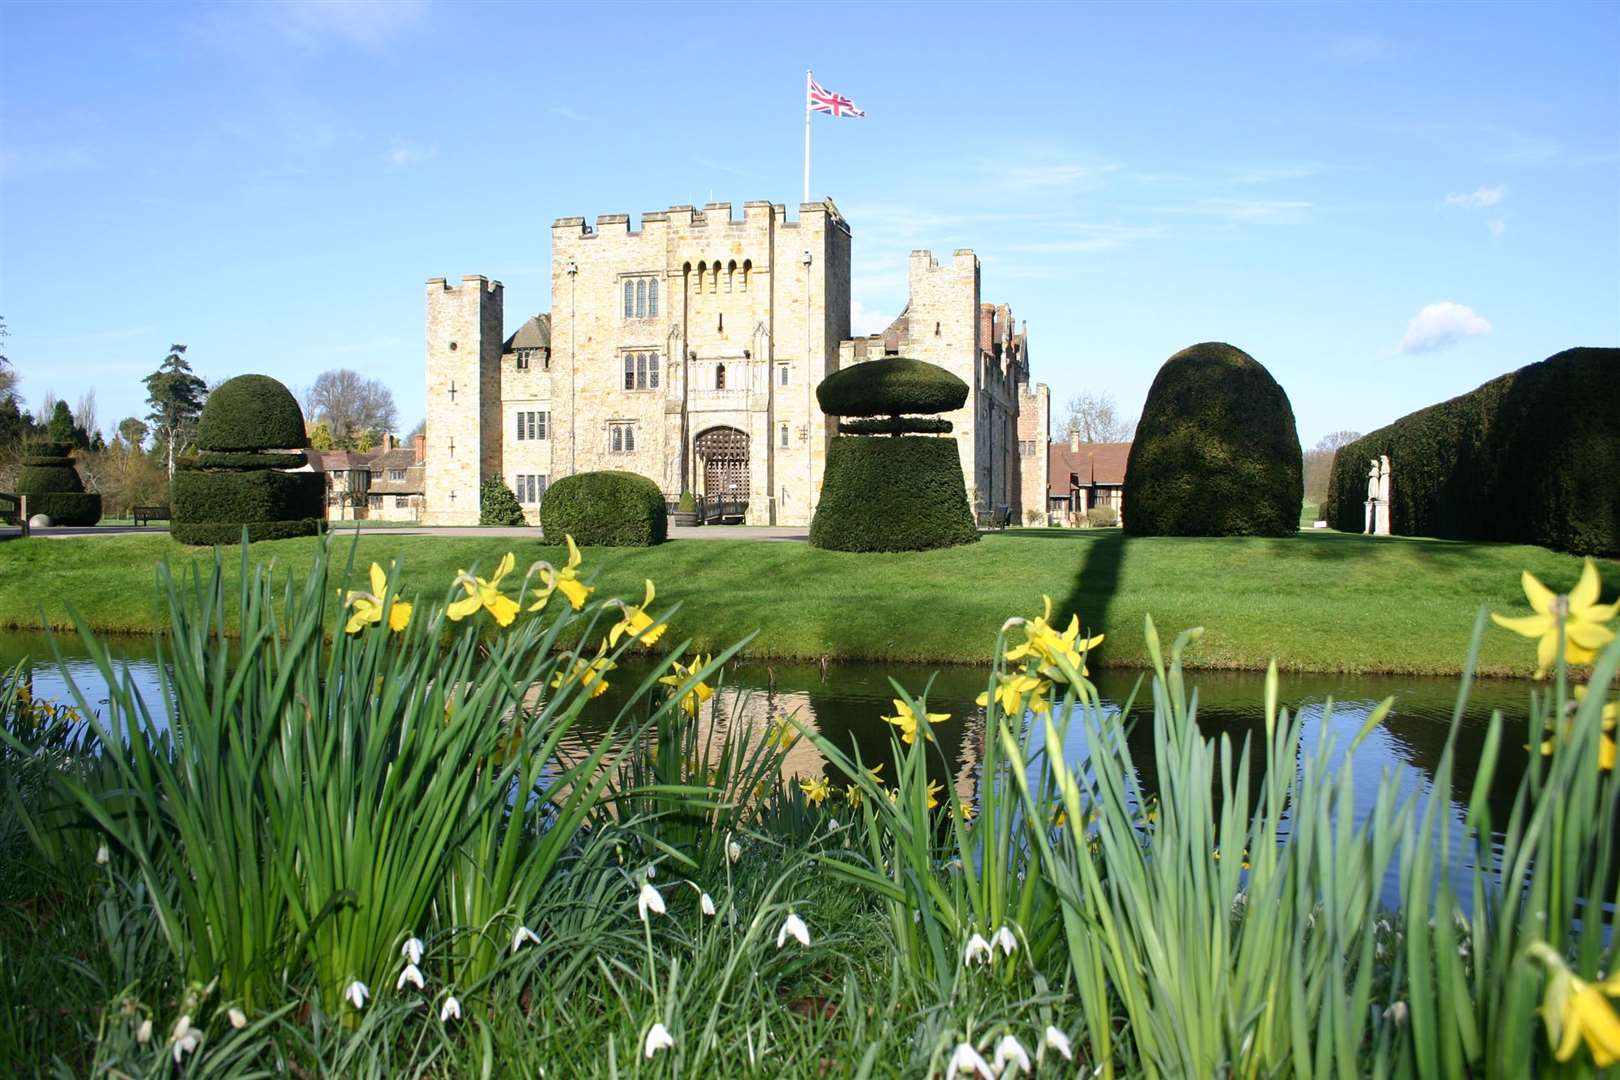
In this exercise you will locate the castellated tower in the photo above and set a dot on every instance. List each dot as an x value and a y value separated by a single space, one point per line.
463 396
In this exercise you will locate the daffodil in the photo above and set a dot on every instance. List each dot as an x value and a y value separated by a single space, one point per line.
1054 1039
658 1038
637 623
906 721
1012 688
793 927
934 788
237 1017
485 593
1580 614
565 581
977 951
1606 719
782 734
367 607
524 934
697 694
649 899
1009 1051
1047 648
816 789
1575 1010
588 673
356 993
450 1010
965 1059
412 950
411 974
852 795
965 809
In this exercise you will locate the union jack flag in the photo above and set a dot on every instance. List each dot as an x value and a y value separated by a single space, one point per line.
822 100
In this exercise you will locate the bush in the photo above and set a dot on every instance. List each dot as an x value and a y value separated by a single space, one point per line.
1530 457
1216 451
51 483
1031 516
1102 517
608 509
251 412
890 387
246 461
899 494
272 504
896 425
497 505
687 503
66 507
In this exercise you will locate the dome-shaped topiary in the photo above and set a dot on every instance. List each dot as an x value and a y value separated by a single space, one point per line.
51 482
1216 451
605 509
893 386
251 412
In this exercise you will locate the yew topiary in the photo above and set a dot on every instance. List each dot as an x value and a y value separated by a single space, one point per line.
1216 452
251 412
52 485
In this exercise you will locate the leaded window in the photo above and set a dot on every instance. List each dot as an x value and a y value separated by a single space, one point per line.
641 299
629 299
629 371
652 298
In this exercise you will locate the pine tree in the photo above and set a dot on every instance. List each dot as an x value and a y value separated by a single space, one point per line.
176 397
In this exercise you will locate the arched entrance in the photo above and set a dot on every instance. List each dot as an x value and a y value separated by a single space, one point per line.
723 452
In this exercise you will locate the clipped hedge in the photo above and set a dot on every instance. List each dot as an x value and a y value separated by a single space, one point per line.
890 387
899 494
497 505
245 461
251 412
1216 452
896 425
1531 457
256 499
211 533
605 509
53 487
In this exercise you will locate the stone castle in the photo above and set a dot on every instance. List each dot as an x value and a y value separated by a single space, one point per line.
689 351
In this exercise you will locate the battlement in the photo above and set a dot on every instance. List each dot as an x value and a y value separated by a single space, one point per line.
484 284
962 260
684 216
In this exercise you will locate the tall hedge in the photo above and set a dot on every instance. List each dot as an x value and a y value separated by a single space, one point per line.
901 493
53 487
1216 452
1531 457
607 509
238 481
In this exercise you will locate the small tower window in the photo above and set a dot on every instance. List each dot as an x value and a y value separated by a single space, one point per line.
719 376
784 435
747 266
629 371
697 282
782 375
629 299
714 278
641 299
652 298
731 273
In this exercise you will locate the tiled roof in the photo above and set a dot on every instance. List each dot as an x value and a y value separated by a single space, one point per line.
1095 463
533 334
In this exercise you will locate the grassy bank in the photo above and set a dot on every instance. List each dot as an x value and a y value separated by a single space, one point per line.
1316 602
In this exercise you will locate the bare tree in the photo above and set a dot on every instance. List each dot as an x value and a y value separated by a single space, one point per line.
351 405
1095 418
85 414
1319 462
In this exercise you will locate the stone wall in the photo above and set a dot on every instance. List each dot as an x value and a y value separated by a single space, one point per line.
463 396
1034 440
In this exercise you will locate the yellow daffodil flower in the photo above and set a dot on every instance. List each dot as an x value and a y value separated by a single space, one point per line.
907 723
565 581
852 795
1579 612
367 607
934 788
637 623
965 808
700 691
816 789
1043 644
1575 1010
1010 691
782 734
486 594
588 673
1606 747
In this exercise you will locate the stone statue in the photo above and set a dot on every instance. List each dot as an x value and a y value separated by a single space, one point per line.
1371 504
1381 521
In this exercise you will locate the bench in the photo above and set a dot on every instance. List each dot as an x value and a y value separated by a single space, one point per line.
146 514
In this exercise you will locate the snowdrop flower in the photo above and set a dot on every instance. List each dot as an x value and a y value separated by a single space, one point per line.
186 1044
658 1039
143 1034
1004 940
356 993
1010 1051
652 871
1396 1013
450 1010
181 1027
832 824
412 950
706 903
238 1018
411 974
650 899
102 855
978 950
733 850
965 1059
793 926
1058 1041
524 934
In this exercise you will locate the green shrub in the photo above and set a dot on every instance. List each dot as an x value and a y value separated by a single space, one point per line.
608 509
890 387
896 425
1102 517
1531 457
497 505
1216 452
687 504
57 476
212 507
245 461
66 507
865 506
48 451
251 412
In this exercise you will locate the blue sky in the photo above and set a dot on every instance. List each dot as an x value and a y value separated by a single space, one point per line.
1385 205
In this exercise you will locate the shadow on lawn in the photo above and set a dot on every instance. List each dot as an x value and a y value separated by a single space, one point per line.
1092 594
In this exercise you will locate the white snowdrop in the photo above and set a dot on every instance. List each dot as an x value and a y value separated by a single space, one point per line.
1058 1041
793 927
977 951
649 900
356 993
1009 1051
412 950
524 934
965 1059
1003 939
658 1038
411 974
237 1017
706 904
450 1010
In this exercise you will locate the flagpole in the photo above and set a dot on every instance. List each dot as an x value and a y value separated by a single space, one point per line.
806 134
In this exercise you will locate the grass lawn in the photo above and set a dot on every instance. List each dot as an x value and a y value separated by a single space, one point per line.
1318 601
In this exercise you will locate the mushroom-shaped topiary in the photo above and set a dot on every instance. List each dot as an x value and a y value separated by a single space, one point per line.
251 412
1216 452
892 387
238 480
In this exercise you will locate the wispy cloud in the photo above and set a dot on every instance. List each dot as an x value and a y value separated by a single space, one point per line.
1276 175
16 161
405 154
1479 198
1442 325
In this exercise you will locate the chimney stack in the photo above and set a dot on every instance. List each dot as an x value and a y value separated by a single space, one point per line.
419 447
1074 441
